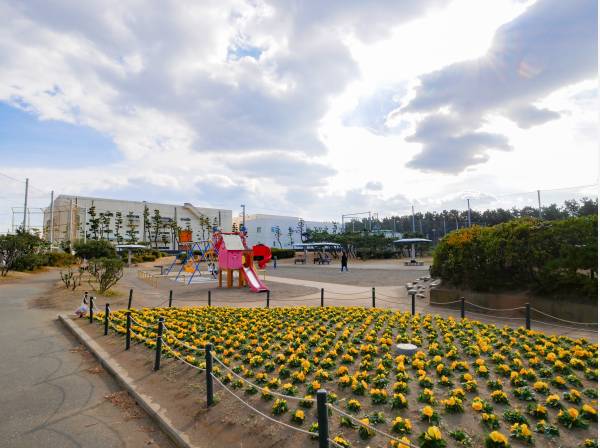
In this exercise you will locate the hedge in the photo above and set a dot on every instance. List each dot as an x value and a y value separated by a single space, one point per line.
282 253
547 257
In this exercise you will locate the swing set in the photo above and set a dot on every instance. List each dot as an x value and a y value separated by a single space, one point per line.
196 252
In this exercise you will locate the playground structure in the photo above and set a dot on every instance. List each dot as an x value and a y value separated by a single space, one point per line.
196 252
234 255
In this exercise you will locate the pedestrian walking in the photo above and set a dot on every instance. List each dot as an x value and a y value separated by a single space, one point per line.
344 261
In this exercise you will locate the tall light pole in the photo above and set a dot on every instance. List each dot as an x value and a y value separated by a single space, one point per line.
51 219
469 212
243 215
539 204
25 205
413 218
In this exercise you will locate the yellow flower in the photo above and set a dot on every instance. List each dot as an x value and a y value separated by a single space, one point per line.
573 413
477 406
498 437
588 409
427 411
434 433
525 431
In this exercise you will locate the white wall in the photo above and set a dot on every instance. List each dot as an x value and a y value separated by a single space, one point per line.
71 217
260 229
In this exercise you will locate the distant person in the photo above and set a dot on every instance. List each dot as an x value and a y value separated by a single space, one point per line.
344 261
83 308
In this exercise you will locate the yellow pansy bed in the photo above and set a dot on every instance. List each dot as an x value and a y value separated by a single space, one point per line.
469 384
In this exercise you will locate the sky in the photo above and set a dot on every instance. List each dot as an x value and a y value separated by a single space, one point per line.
308 108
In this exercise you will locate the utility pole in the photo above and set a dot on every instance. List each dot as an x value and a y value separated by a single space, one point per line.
51 219
539 204
413 218
370 223
25 206
469 212
444 223
243 215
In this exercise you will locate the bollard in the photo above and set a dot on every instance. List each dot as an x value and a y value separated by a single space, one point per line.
528 316
91 309
128 330
268 297
373 296
412 303
462 307
275 262
322 418
209 378
209 298
170 298
106 315
161 323
322 296
130 299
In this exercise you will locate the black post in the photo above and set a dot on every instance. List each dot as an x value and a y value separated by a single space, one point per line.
209 297
91 309
322 418
161 322
106 316
322 296
209 378
268 297
373 296
275 262
170 298
462 307
412 304
528 316
130 299
128 330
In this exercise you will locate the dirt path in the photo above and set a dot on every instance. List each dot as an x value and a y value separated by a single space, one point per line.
52 392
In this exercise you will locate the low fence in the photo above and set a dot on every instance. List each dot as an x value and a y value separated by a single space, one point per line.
324 407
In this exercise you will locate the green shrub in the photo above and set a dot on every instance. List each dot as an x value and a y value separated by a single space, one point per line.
282 253
60 259
30 262
95 249
548 257
106 272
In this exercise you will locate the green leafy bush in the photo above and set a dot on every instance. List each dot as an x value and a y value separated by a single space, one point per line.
557 257
282 253
106 272
60 259
30 262
95 249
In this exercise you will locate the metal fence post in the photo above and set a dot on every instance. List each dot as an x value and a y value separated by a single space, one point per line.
412 303
161 322
268 297
322 296
106 316
91 309
209 378
462 307
209 297
373 296
128 330
528 316
170 298
130 299
322 418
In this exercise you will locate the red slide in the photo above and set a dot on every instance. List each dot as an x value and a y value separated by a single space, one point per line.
254 283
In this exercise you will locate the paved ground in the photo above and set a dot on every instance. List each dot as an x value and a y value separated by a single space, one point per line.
54 394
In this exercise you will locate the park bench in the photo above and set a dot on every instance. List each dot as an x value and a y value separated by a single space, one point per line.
300 259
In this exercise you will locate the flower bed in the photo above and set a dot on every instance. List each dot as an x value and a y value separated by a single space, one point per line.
521 386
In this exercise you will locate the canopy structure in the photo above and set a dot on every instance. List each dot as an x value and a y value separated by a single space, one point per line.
412 242
129 248
324 245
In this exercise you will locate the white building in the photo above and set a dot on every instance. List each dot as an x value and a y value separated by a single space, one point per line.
279 231
76 218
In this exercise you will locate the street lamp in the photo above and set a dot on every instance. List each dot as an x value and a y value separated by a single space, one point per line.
243 215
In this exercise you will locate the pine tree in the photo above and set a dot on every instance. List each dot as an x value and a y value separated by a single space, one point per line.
94 222
131 228
156 226
118 227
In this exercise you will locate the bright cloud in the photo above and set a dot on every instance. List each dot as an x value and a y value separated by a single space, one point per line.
312 108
